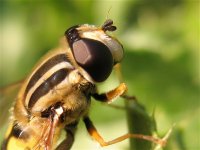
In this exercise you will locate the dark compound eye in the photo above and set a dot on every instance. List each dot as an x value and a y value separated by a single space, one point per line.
94 57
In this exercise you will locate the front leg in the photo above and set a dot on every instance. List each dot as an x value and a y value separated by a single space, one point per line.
111 95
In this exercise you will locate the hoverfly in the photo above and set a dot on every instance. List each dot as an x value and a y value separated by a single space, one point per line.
57 93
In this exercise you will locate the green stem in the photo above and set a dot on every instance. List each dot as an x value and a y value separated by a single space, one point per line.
138 122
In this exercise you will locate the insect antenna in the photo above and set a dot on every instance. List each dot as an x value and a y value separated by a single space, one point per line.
108 25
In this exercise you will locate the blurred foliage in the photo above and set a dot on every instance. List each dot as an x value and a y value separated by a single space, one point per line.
161 63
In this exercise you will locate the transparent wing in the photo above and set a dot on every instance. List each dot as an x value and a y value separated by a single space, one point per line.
7 98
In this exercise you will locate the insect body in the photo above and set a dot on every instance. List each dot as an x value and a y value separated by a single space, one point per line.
57 94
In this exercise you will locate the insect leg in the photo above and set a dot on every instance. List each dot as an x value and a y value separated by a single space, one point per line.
109 96
67 143
97 137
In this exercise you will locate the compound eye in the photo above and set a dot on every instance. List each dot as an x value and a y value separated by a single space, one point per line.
94 57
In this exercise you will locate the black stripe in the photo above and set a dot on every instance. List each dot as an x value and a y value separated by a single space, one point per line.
16 132
44 68
49 84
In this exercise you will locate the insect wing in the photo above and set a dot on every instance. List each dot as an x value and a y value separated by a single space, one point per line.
7 98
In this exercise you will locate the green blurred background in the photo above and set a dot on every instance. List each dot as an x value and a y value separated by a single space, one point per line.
161 64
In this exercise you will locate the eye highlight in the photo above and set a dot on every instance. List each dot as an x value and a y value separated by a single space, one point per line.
94 57
116 49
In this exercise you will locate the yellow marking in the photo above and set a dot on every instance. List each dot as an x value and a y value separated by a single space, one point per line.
18 144
8 131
